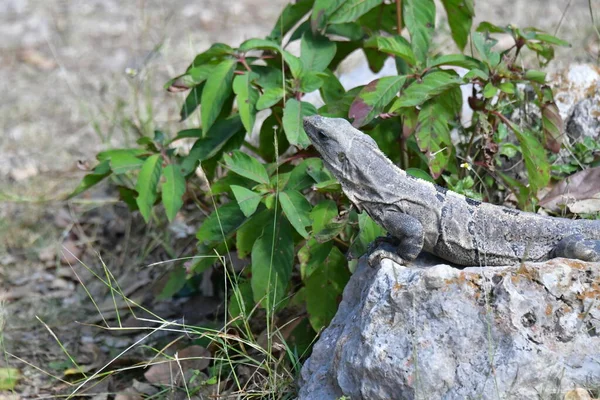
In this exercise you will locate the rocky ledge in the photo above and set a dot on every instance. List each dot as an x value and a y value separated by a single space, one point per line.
433 331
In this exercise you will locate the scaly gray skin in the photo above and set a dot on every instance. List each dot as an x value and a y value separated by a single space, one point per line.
419 215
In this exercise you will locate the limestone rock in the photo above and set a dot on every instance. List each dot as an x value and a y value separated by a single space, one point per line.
433 331
577 95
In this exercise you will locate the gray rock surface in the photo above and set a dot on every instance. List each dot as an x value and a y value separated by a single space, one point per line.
577 95
433 331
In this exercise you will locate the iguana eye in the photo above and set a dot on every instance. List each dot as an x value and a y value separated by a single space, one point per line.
322 135
341 156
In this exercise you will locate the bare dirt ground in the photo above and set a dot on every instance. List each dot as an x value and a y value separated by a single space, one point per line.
77 77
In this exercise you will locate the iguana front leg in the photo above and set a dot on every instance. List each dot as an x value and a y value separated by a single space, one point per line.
404 241
578 247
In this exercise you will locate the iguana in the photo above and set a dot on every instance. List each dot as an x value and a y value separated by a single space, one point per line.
419 215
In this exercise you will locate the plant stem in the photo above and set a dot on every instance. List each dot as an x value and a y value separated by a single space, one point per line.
252 147
403 146
242 59
399 16
403 153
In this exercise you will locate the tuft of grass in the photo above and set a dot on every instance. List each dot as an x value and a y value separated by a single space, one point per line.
242 364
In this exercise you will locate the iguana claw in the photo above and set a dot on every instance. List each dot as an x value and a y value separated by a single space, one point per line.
384 247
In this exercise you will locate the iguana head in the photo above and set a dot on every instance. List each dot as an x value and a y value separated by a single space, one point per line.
344 149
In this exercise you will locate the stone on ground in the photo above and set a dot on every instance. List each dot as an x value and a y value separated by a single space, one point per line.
433 331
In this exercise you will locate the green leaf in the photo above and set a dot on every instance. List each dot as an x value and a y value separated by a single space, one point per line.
484 48
191 102
382 18
312 255
457 60
216 91
341 107
260 44
195 133
544 37
173 190
507 87
349 30
193 77
147 185
291 14
128 196
321 12
451 103
375 59
433 136
535 76
536 163
351 10
271 127
544 52
322 214
210 145
524 193
476 73
296 64
332 229
247 166
100 172
368 231
316 52
419 18
299 178
246 199
240 303
216 52
206 257
293 113
310 81
329 186
110 154
272 263
373 98
270 97
268 77
488 27
296 209
460 18
9 377
331 90
201 73
324 288
176 282
300 30
221 224
489 90
395 45
247 234
246 96
433 84
419 173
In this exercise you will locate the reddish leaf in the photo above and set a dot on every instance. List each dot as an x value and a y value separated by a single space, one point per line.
373 98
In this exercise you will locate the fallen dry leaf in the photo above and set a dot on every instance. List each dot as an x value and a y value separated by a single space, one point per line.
70 252
37 59
129 394
577 394
580 191
63 219
167 373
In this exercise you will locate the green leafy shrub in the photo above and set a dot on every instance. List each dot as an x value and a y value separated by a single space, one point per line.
277 205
